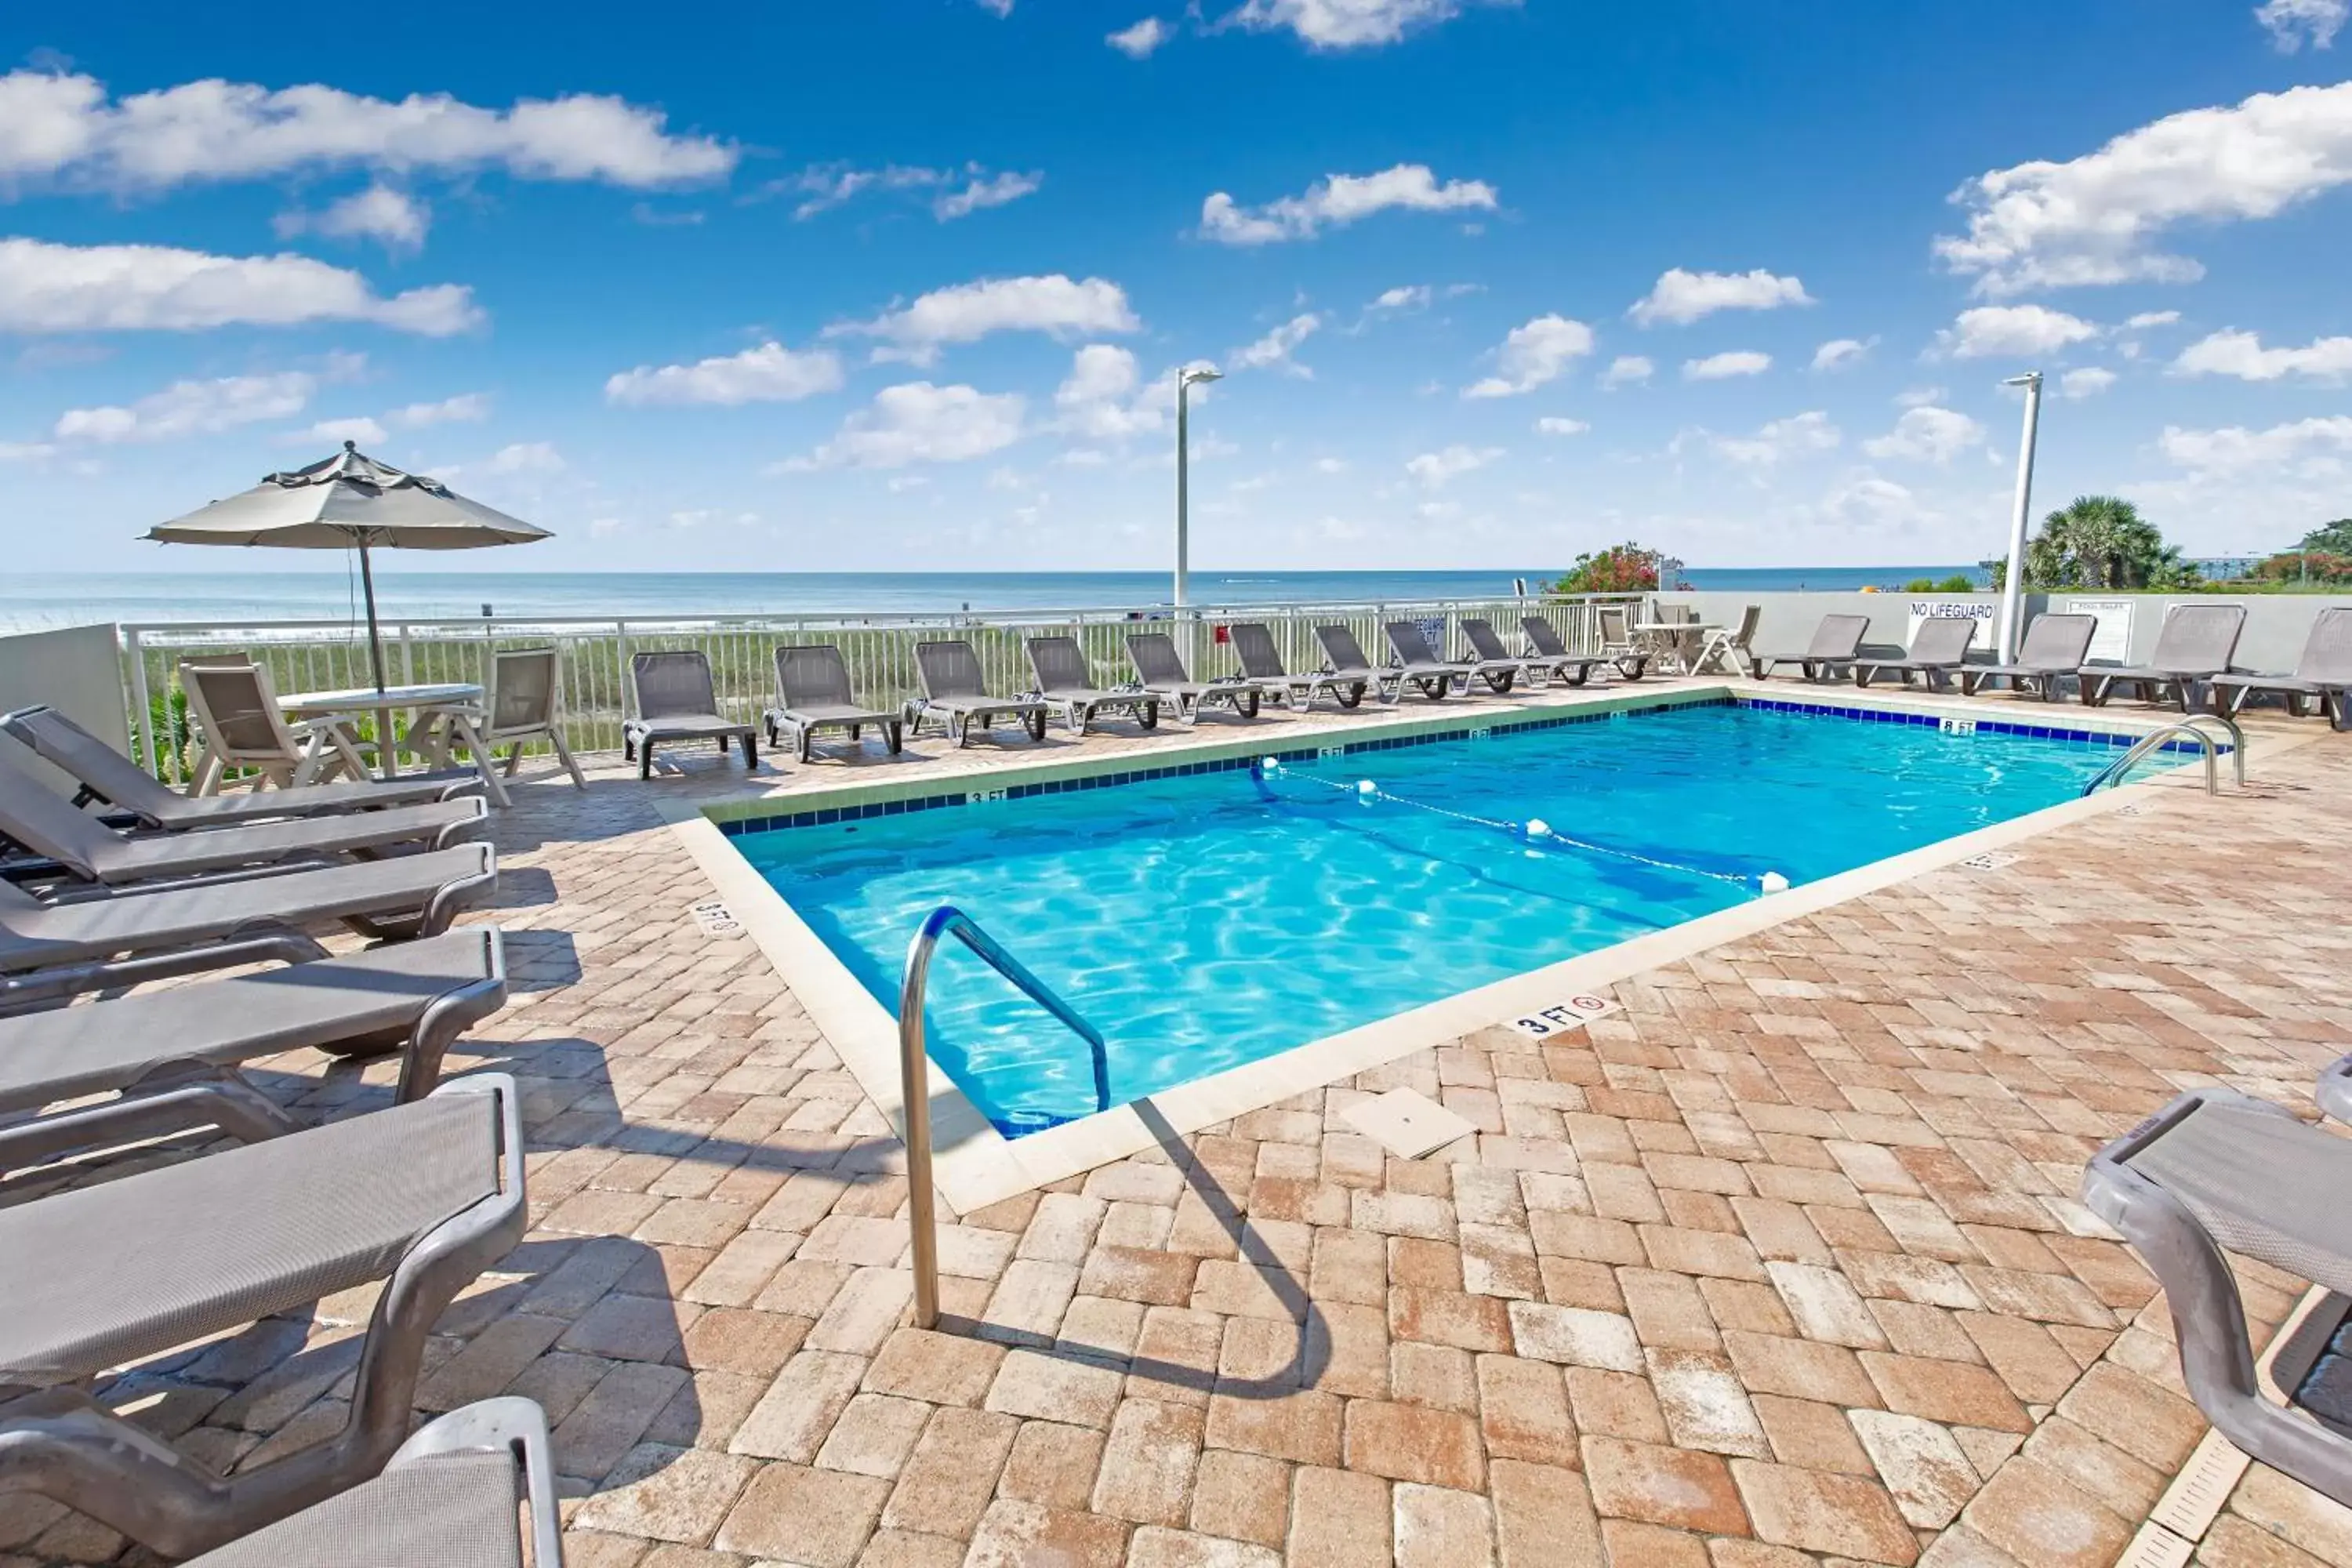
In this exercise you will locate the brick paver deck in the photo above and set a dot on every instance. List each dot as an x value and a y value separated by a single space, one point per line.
1783 1262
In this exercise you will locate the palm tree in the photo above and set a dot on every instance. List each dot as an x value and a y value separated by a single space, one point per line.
2102 542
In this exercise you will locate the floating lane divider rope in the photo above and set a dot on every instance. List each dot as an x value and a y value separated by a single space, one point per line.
1534 829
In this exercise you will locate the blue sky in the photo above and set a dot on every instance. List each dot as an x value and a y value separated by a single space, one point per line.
904 284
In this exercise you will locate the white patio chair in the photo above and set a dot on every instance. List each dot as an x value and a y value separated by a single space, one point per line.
1726 647
235 708
522 701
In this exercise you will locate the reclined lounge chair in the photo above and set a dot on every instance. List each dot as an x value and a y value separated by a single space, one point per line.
676 702
2218 1171
1160 669
171 1054
2324 675
1837 641
52 952
1487 647
1345 656
446 1500
2055 648
955 690
106 774
1935 655
423 1196
77 844
1545 642
1418 661
2195 645
812 693
1066 682
1261 662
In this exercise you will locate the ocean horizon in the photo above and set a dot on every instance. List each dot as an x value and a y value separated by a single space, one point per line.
36 601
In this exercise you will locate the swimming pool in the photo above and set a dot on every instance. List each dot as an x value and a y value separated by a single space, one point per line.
1230 913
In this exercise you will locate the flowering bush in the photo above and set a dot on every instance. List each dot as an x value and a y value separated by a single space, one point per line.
1620 569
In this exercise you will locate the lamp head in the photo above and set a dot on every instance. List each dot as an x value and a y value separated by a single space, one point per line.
1193 376
2031 378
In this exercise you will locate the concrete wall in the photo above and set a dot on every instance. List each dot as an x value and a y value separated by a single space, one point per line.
79 672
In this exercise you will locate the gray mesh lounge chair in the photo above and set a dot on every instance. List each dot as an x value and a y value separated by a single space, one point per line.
106 774
676 702
1161 669
51 951
1066 681
1836 643
2055 647
171 1054
445 1501
422 1197
2324 674
1422 665
1345 657
953 689
1939 650
812 693
2218 1171
2195 645
80 845
1489 654
1544 641
1261 662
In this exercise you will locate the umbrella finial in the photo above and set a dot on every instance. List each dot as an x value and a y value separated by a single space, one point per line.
351 446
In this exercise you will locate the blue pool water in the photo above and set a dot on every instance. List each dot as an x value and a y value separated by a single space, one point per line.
1207 920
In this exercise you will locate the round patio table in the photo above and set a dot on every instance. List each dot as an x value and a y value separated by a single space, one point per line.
441 710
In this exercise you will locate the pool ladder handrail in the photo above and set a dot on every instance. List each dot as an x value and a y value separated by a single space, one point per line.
914 1074
2113 773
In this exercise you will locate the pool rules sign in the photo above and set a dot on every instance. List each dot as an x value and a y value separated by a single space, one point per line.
1572 1013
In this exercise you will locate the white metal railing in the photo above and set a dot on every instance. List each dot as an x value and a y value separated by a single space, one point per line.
319 654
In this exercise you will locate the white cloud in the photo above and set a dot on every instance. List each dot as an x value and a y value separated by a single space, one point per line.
1918 396
1337 200
955 192
1869 501
1725 365
1347 24
1927 433
917 422
393 218
1839 353
526 457
1682 297
1138 41
768 373
46 288
2311 443
995 191
2088 382
467 408
2242 355
63 130
2094 219
1433 470
1408 296
2293 23
2011 332
1553 425
2147 319
970 311
1534 355
1627 370
360 432
191 408
1103 399
1794 436
998 8
1273 350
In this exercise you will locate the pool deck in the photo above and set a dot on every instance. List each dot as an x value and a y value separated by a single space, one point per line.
1782 1263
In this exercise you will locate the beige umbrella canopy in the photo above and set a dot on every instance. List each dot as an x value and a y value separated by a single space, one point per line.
350 501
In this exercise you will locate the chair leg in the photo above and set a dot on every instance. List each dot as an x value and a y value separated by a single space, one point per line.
563 754
208 772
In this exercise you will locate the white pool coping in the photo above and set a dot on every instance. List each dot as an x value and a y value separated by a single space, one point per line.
975 1164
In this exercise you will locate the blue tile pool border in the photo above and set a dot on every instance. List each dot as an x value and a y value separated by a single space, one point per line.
1480 724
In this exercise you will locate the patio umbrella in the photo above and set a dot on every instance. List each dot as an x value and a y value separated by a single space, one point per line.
350 501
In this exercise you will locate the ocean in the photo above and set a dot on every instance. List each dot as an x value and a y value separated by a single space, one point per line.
33 601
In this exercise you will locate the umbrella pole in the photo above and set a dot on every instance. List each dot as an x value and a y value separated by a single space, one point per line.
375 637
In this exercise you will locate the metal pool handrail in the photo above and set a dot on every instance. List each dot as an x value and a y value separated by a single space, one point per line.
2113 773
914 1074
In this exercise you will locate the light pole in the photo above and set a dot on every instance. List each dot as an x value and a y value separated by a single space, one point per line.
1185 381
2012 587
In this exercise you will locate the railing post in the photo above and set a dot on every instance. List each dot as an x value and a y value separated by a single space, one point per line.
138 659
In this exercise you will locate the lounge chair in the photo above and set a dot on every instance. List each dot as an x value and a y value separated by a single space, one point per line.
2055 648
1938 651
1490 661
1419 662
1545 642
2323 675
1732 648
52 952
1261 662
1837 642
2195 645
106 774
955 690
236 713
813 694
2216 1170
171 1054
422 1197
1160 669
1487 651
1345 656
74 844
446 1499
676 702
1066 682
